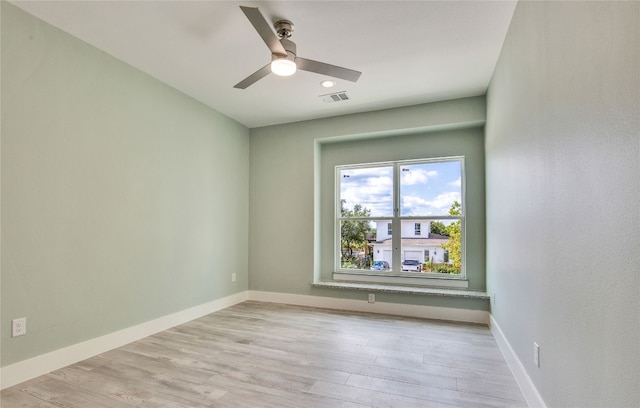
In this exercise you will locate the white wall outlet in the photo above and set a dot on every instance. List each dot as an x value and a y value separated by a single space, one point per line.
19 327
372 298
536 354
233 277
493 298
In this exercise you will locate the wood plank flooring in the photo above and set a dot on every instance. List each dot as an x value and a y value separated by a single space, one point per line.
264 355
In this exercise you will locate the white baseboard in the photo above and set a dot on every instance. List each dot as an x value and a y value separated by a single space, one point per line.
529 390
427 312
34 367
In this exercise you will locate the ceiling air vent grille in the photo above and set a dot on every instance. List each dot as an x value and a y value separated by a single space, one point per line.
335 97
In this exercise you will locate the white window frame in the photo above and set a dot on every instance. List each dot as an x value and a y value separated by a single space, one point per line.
397 276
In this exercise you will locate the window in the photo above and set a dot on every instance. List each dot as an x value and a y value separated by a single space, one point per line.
420 200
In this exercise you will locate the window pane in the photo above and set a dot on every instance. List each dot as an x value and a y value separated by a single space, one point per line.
437 250
381 246
430 188
356 239
367 191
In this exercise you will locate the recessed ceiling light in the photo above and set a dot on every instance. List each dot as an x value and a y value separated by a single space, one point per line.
327 84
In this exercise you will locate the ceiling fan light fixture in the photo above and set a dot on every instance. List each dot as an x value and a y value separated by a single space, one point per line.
283 66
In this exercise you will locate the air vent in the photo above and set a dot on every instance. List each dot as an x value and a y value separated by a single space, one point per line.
335 97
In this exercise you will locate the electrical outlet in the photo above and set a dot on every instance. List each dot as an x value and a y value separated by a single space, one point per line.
372 298
536 354
233 277
493 298
19 327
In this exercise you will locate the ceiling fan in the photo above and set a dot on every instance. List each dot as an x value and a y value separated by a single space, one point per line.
284 60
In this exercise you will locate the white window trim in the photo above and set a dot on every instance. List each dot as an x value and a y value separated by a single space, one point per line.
431 279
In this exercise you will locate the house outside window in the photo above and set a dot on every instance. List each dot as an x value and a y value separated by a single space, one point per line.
422 200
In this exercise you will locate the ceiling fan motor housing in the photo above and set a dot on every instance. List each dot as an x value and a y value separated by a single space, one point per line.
284 28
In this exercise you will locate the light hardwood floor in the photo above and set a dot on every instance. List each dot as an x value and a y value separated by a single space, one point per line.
264 355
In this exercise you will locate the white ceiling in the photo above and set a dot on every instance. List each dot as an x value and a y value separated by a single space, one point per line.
409 52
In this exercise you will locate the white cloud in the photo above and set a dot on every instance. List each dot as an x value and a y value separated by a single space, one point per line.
368 172
417 176
456 183
370 187
445 200
413 205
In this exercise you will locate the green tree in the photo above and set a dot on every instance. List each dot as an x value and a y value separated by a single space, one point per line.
454 244
353 233
439 228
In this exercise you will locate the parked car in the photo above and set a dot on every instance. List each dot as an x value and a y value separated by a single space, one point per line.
380 266
411 265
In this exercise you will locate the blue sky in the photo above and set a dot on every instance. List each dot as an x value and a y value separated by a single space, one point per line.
427 189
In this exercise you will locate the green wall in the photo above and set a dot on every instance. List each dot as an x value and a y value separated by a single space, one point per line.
123 200
288 233
117 206
562 160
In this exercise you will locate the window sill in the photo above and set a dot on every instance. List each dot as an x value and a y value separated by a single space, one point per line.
405 279
408 290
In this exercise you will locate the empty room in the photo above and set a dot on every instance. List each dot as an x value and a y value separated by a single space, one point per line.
300 204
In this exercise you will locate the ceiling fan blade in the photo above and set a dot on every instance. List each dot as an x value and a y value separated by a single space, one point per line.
264 29
327 69
255 77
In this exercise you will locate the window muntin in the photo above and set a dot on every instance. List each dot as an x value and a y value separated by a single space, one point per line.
420 200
